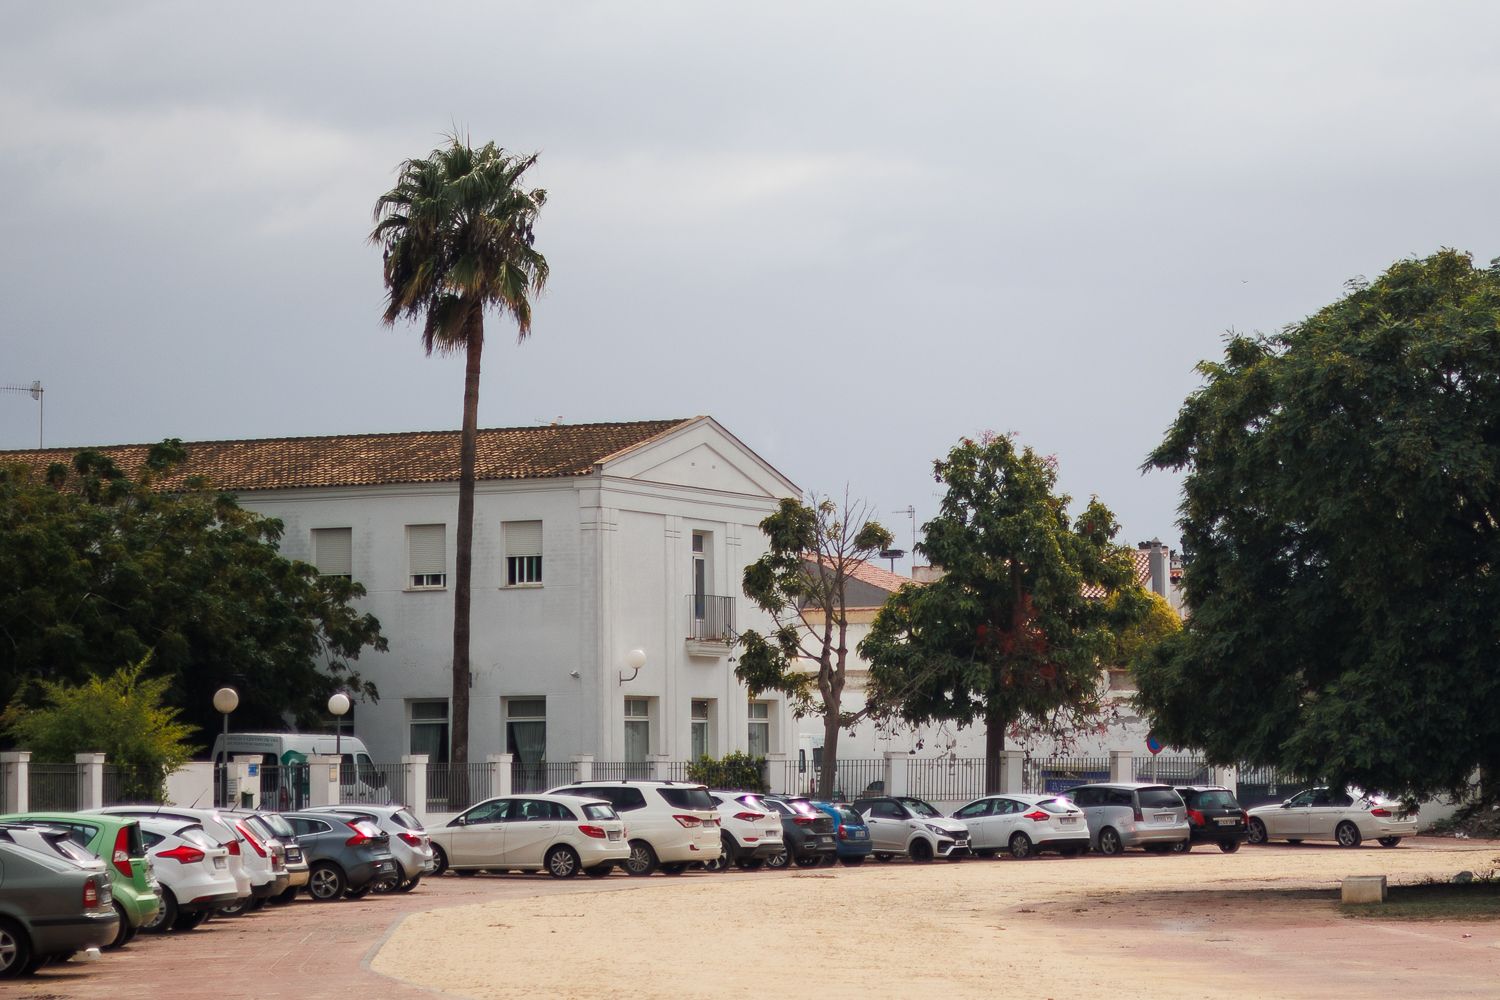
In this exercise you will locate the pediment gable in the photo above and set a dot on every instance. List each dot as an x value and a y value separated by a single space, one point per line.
701 455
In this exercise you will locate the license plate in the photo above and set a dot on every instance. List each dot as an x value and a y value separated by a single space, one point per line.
218 862
824 839
1164 817
857 834
960 843
773 834
1226 821
1067 819
614 835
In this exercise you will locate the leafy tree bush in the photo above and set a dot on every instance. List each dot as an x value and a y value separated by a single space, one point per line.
736 770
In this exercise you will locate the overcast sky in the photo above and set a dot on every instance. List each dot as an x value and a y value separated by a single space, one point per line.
853 233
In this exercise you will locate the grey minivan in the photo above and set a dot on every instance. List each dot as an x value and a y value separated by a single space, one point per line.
1134 814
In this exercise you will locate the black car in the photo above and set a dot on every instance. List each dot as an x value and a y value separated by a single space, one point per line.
1215 816
806 830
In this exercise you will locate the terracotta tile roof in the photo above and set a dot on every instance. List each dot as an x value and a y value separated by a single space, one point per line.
867 572
1142 574
378 459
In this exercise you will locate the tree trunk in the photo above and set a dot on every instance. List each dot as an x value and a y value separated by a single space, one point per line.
826 773
995 722
463 563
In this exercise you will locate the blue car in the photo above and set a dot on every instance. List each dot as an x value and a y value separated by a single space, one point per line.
852 836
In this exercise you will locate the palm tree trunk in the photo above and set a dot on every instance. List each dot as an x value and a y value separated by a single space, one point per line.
463 562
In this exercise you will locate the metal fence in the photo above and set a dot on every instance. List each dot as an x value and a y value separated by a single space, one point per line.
1044 775
283 786
372 784
452 787
622 770
1261 785
541 775
945 779
1173 770
55 787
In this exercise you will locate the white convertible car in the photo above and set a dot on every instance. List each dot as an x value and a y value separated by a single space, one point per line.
1346 817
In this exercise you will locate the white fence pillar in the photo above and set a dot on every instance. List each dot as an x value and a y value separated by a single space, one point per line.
414 784
90 780
1121 765
1012 775
776 774
1228 777
247 780
583 767
17 783
895 772
323 780
500 773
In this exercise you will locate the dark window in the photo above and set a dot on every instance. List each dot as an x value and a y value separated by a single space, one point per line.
1084 797
1159 798
1214 798
597 810
887 810
779 807
152 839
688 798
623 797
1118 797
974 810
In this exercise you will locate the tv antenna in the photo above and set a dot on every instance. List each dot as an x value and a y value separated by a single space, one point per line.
36 390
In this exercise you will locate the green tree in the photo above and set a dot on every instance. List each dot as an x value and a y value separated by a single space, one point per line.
801 582
457 237
1156 624
737 770
1341 515
120 715
1008 636
101 569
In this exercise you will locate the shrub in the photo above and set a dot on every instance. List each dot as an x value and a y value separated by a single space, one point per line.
737 770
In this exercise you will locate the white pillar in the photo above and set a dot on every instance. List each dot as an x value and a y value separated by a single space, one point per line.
895 772
1011 774
90 780
322 780
414 784
17 784
1229 777
1121 765
247 780
583 767
500 776
776 773
658 765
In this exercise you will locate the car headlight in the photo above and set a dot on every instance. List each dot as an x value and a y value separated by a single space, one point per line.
939 830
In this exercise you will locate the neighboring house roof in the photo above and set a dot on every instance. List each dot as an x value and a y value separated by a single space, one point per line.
883 582
379 459
1142 559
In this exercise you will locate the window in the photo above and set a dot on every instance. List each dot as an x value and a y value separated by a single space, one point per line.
333 551
429 729
427 555
974 810
526 733
700 574
702 722
887 810
760 728
523 553
624 797
637 729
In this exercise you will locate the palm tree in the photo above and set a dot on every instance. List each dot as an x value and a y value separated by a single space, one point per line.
457 235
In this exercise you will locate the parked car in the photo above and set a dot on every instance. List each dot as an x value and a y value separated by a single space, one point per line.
263 855
117 841
1215 816
851 837
297 871
670 824
806 831
750 831
1346 817
217 826
1133 814
901 824
1025 825
410 845
53 902
559 834
193 870
345 854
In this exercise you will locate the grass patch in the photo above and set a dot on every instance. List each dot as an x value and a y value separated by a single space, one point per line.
1476 900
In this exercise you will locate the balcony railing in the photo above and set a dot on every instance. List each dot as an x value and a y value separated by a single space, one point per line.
710 619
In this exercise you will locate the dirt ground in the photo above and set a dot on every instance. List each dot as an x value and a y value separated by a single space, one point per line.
1262 923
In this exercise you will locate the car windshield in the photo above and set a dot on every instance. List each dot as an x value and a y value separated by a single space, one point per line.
1215 798
406 819
688 798
779 806
920 808
753 801
278 823
1159 798
598 810
849 816
1057 805
803 807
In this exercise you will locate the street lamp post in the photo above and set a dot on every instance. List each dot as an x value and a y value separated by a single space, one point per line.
338 704
226 700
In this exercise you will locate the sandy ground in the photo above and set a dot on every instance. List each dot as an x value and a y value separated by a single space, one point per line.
1262 922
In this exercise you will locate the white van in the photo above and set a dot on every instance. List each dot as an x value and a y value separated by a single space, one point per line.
283 773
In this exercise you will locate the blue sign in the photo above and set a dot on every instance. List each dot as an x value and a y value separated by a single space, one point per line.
254 770
1153 744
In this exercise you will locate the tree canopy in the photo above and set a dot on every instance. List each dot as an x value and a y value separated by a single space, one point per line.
1019 626
801 581
101 570
1341 518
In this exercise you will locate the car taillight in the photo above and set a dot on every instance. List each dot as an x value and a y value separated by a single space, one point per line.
688 821
1196 818
183 854
90 894
121 855
360 837
597 832
802 820
1036 816
749 817
843 833
410 838
250 839
1138 817
233 847
1381 811
1244 817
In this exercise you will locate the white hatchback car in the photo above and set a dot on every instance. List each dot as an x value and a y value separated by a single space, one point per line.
1345 817
1025 825
193 870
672 824
903 824
751 831
559 834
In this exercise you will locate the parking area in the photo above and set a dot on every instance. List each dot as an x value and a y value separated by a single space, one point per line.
1259 922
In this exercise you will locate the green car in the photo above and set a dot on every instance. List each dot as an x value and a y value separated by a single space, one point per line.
118 842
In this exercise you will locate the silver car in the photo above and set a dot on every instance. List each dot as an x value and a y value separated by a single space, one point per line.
1134 814
410 845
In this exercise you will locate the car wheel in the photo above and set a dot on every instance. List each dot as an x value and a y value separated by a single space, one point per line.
779 860
726 855
166 914
1257 832
882 856
1020 847
124 933
1110 844
439 860
598 871
1182 846
676 868
15 950
750 864
810 861
642 860
1229 846
190 921
238 908
326 883
562 862
1347 834
407 885
920 850
1388 841
361 892
854 861
286 895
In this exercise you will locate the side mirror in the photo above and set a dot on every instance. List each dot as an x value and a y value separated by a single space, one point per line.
1287 804
459 821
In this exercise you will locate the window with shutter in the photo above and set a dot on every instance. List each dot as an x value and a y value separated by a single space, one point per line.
523 553
427 555
333 551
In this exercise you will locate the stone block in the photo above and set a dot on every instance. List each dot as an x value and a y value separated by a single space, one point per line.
1364 889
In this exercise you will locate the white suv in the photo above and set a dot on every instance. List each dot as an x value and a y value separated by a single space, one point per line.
671 824
751 831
